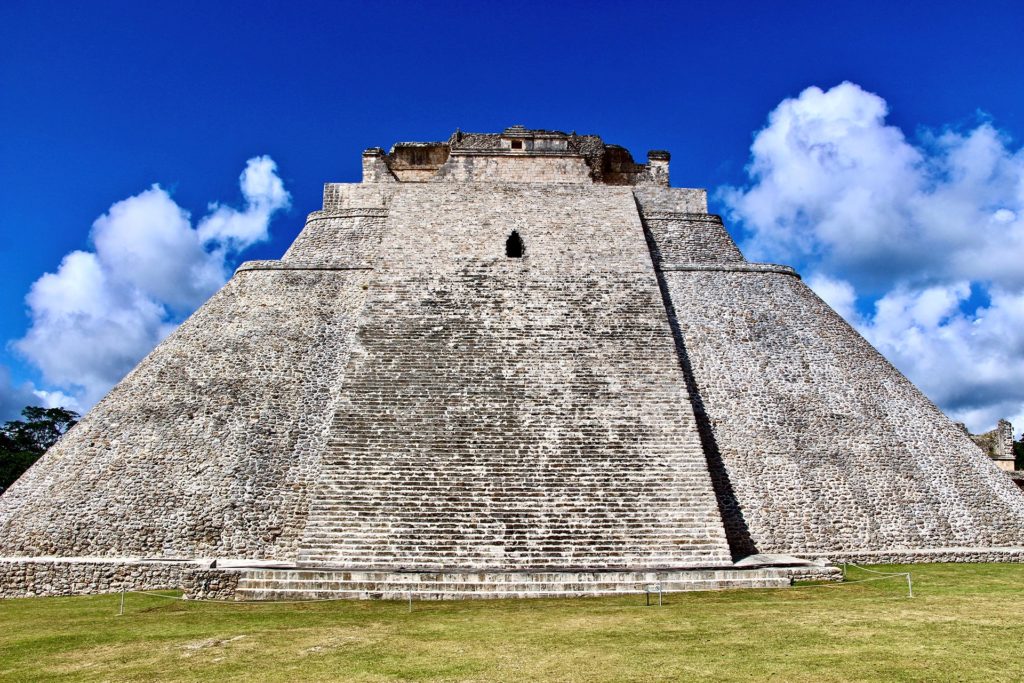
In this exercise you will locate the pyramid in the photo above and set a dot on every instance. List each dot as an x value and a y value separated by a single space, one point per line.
520 361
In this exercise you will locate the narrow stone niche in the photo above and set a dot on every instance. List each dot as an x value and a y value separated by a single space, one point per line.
514 245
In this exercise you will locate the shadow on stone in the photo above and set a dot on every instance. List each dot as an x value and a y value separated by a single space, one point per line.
736 531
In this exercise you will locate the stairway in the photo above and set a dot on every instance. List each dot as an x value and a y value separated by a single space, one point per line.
307 584
498 414
490 423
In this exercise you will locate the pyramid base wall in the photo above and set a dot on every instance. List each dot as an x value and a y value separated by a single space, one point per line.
923 555
48 577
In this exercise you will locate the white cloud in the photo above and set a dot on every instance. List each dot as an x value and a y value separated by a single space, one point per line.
146 243
103 310
264 193
15 397
970 364
839 294
924 230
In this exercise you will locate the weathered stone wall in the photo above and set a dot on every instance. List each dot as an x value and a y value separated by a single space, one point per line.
912 556
210 584
514 420
208 447
375 168
397 392
823 444
568 229
513 168
523 412
338 196
31 577
684 238
344 237
672 199
997 443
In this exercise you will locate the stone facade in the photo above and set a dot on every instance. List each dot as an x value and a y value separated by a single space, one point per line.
30 577
397 393
997 444
823 444
206 449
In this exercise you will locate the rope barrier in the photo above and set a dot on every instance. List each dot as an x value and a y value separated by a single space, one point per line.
882 575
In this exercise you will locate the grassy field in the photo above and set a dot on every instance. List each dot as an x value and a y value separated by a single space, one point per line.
965 622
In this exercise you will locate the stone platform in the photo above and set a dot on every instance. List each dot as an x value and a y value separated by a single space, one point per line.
318 584
262 580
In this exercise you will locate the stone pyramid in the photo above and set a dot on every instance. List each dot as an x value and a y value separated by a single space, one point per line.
508 353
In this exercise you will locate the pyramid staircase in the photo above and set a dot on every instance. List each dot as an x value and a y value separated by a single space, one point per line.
311 584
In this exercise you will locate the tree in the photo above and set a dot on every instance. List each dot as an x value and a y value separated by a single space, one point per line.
22 442
1018 454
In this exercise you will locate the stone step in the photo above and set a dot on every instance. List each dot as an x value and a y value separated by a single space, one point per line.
471 430
433 563
403 563
399 519
467 576
605 535
433 524
354 556
320 585
415 551
540 587
426 594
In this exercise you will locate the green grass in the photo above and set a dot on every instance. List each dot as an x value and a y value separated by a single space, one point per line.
964 623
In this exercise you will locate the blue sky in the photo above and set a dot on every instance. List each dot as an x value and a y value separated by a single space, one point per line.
102 100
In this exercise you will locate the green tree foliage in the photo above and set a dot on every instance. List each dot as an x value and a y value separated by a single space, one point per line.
1018 454
22 442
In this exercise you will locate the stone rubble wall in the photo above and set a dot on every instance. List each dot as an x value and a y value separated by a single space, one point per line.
32 577
512 168
685 238
211 584
826 447
672 199
208 447
36 578
344 238
917 556
566 229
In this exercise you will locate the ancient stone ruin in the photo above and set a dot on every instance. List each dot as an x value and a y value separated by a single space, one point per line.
505 364
997 444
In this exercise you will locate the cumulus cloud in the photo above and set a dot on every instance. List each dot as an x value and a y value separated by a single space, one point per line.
918 243
264 194
971 364
839 294
14 397
103 310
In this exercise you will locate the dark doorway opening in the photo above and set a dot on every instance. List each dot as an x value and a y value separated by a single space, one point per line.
514 245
